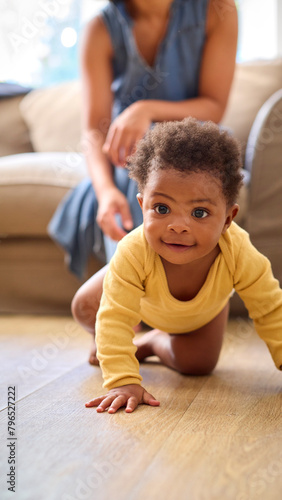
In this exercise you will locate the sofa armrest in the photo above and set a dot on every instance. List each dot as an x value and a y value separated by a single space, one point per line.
264 162
31 187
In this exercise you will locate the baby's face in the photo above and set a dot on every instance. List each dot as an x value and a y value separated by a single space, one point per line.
184 215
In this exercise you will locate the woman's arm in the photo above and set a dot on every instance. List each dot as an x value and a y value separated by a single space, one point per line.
96 69
217 70
96 75
216 74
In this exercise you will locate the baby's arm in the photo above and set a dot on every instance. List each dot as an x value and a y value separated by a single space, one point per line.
119 312
262 295
129 396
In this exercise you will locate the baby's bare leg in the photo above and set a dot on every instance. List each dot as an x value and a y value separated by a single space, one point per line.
193 353
85 305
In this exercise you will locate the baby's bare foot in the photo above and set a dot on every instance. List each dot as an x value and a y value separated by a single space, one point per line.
144 345
93 360
138 328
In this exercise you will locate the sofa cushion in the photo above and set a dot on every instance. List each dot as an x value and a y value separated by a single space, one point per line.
14 133
53 116
31 187
253 84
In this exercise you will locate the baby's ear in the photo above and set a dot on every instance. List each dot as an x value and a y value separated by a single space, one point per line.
231 214
140 200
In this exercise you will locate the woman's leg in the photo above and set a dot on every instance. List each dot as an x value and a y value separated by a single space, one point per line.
85 305
193 353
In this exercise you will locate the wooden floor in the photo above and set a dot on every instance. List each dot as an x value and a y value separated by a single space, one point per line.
212 438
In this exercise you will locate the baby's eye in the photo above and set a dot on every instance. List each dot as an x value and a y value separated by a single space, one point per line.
200 213
162 209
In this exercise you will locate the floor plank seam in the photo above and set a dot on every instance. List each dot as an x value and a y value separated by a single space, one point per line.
158 452
44 385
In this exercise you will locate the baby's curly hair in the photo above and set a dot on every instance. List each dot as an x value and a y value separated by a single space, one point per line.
189 146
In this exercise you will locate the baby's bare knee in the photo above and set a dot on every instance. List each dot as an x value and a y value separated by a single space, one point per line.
75 306
191 355
195 367
200 370
84 309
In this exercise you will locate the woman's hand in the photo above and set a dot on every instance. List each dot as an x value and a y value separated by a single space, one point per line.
114 202
125 131
129 396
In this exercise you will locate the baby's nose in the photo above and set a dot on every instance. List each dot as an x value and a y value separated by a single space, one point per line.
180 225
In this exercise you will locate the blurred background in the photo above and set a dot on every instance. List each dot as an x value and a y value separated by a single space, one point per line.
39 39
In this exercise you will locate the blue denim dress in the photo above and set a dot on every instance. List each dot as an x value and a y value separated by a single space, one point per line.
174 76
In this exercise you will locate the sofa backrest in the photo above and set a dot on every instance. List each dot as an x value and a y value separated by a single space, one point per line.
253 84
53 115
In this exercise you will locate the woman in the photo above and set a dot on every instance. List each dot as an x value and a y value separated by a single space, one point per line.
142 62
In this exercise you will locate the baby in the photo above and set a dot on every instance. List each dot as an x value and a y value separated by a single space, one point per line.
177 271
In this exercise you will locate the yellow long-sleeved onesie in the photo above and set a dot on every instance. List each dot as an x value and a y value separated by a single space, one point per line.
135 288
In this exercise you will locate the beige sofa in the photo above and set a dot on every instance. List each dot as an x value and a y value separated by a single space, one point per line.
41 160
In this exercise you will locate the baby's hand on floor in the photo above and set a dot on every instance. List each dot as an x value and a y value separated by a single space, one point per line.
129 396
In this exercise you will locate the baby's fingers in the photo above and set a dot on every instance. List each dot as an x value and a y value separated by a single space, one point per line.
94 402
105 403
148 399
132 404
102 402
117 403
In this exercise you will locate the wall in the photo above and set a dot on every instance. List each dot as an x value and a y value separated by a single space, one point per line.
260 37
